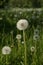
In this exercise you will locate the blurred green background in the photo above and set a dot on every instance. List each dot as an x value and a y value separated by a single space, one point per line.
21 3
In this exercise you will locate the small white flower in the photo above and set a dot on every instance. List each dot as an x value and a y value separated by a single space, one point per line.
36 37
32 49
22 24
36 31
6 50
18 36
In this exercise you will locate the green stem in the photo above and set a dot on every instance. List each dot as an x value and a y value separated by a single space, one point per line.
34 57
19 47
25 59
6 60
1 59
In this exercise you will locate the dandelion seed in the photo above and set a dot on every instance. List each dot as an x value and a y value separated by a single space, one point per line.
6 50
18 37
22 24
32 49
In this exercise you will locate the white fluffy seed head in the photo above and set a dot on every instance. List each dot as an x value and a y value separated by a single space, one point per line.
6 50
18 37
32 49
36 37
22 24
36 31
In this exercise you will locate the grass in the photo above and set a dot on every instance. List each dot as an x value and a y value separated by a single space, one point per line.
8 32
14 58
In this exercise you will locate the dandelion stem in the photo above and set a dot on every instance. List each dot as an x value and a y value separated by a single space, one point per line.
25 59
34 57
18 46
6 60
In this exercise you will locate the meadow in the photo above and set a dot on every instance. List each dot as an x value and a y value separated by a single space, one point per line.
27 47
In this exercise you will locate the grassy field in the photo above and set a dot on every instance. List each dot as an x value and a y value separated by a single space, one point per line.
21 52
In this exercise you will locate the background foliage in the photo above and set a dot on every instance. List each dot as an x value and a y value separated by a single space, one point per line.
21 3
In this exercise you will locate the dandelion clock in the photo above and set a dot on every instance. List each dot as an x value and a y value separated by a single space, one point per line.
22 24
32 49
36 37
6 50
18 36
36 31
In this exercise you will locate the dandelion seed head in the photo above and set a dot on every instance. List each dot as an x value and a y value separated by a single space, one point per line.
6 50
32 49
22 24
36 31
36 37
18 37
